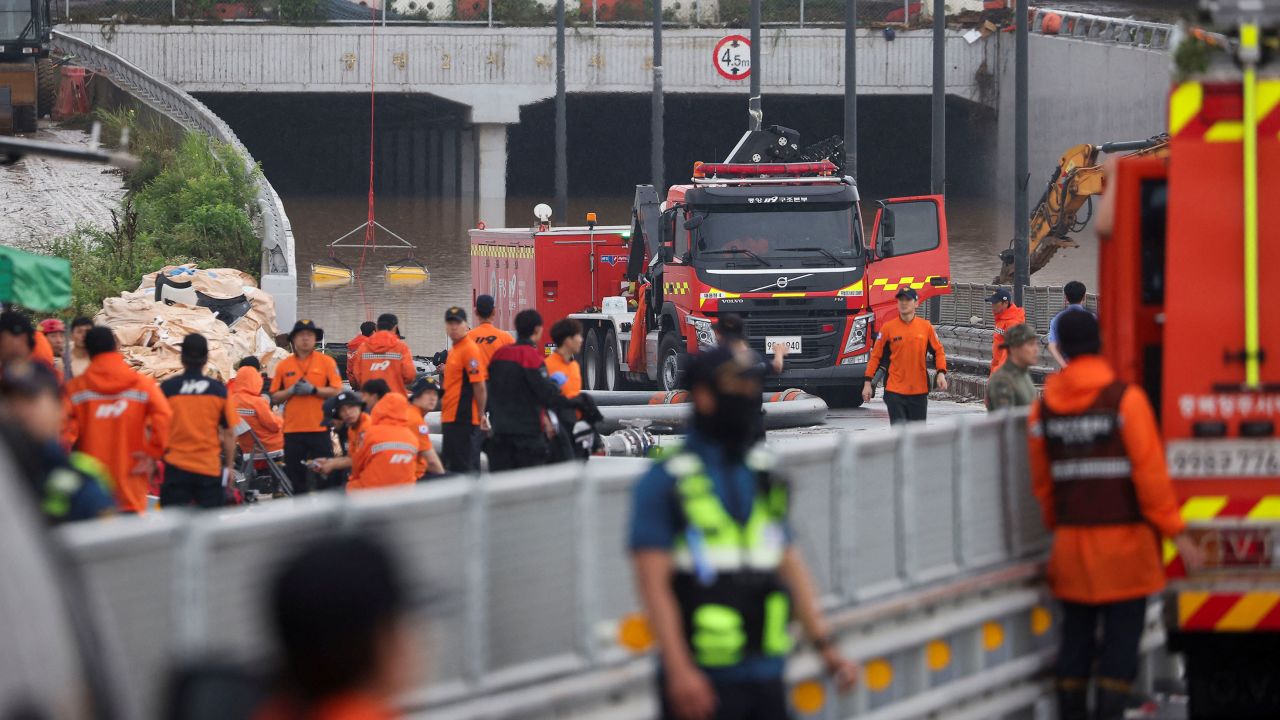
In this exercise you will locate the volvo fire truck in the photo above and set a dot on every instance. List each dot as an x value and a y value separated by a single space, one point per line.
780 243
1190 309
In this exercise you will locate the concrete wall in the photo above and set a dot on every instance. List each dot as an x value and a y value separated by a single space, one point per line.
1080 92
495 71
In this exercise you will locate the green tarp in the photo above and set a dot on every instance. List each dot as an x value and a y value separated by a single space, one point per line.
36 282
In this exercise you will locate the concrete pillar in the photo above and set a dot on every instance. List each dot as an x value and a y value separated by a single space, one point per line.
492 140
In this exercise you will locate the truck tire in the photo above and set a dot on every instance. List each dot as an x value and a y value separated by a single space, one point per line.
842 396
46 87
591 360
610 375
671 361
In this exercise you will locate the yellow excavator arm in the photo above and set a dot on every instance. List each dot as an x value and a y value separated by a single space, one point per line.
1075 181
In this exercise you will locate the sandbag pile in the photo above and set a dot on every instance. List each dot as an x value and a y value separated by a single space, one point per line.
150 332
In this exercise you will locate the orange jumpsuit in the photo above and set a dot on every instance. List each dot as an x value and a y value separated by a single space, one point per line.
1097 564
255 411
417 422
384 355
907 345
114 413
1012 315
572 372
388 450
489 338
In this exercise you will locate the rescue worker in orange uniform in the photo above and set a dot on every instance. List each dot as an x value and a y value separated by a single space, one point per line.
202 436
1098 470
424 396
905 340
348 411
487 337
255 411
384 356
118 417
562 364
1006 315
367 328
466 397
302 382
388 451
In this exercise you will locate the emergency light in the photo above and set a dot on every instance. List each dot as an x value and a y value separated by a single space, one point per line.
822 168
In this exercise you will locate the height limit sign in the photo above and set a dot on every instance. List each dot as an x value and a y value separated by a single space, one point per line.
733 57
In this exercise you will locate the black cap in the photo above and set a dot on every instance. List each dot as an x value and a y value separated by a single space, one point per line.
1000 295
1078 334
306 325
347 398
907 292
712 367
15 323
485 305
455 314
28 379
730 326
195 348
423 384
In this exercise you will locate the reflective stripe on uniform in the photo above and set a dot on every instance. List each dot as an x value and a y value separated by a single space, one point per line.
380 356
85 396
725 559
393 447
248 412
241 428
1089 468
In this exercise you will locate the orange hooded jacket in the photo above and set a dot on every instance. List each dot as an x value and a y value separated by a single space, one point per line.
388 452
384 355
255 411
1106 563
1012 315
114 413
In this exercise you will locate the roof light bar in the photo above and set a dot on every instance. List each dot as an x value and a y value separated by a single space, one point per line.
748 170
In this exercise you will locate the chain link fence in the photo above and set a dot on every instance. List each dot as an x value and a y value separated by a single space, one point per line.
532 13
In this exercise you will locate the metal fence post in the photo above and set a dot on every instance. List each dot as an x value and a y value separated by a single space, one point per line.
173 8
802 13
906 13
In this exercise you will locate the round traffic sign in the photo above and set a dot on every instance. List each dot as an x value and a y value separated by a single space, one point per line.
732 57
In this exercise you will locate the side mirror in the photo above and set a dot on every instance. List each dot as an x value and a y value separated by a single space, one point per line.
695 221
668 253
888 231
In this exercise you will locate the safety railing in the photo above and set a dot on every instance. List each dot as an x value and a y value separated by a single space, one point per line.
493 13
534 579
1100 28
967 305
274 229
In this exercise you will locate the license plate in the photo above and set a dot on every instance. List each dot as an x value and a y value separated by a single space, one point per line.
791 341
1224 458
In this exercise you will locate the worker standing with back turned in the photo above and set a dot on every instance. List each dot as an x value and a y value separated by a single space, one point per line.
384 356
202 437
303 381
1098 470
716 568
119 418
906 340
487 337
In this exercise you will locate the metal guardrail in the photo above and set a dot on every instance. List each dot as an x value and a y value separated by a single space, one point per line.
1100 28
274 229
968 301
536 579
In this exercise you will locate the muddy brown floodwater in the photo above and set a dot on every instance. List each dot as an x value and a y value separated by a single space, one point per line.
976 228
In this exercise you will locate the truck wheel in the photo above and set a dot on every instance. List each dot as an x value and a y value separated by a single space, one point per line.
609 375
841 396
671 361
47 87
591 361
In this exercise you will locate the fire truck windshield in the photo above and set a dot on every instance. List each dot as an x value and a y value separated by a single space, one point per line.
827 233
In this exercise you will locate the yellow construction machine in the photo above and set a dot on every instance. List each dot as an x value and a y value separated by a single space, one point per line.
27 77
1076 179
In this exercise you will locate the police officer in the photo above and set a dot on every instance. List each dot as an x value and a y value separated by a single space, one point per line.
717 571
1098 470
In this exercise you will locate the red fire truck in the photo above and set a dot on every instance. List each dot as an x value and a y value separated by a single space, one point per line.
1190 309
781 244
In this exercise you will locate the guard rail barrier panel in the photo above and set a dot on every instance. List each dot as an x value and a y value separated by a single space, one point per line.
968 301
530 567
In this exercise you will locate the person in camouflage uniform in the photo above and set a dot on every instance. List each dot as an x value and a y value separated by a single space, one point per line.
1010 385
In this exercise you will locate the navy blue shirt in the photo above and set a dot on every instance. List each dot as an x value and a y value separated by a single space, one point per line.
656 519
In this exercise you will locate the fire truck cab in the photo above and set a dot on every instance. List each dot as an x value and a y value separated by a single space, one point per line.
780 244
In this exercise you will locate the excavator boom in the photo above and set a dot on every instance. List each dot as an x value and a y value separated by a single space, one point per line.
1076 179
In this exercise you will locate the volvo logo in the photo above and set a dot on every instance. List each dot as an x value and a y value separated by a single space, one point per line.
782 282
